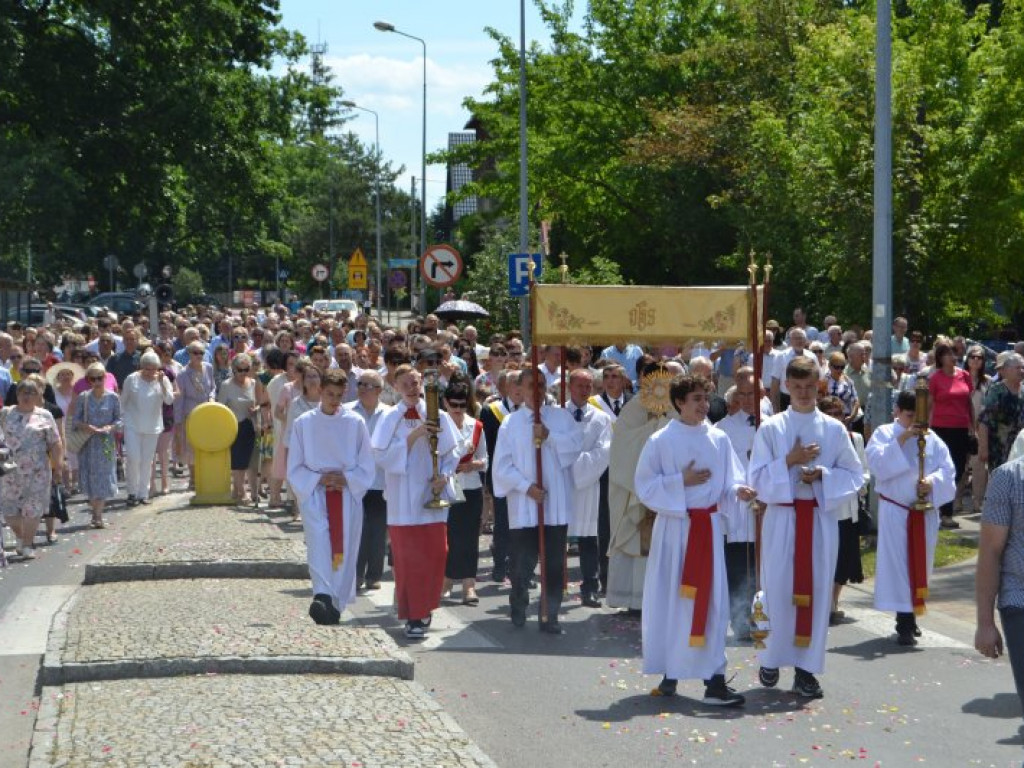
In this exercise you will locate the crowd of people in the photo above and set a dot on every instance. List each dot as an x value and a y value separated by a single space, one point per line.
659 466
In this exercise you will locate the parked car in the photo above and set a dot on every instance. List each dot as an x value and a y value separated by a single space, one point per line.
336 305
35 314
122 303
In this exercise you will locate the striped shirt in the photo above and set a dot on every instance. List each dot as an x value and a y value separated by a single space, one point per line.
1004 506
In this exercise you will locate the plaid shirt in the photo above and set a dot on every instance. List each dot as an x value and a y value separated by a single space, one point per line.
1004 506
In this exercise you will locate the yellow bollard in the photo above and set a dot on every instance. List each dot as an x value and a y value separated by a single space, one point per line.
211 429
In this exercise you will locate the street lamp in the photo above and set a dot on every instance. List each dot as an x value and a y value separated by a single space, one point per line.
384 26
376 187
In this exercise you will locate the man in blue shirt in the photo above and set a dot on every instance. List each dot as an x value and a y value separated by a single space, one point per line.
627 356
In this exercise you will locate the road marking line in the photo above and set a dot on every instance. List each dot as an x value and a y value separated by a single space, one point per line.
25 625
884 625
446 629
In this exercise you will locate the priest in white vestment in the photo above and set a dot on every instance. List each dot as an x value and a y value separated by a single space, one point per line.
330 468
689 476
627 555
803 466
902 573
514 476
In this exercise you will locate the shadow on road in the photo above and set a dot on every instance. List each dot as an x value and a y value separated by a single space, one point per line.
759 701
875 648
1002 705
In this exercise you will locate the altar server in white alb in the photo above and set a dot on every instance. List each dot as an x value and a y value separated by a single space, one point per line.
330 468
515 478
803 466
907 537
596 429
419 535
688 474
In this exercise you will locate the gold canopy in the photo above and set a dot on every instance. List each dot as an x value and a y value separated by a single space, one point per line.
600 314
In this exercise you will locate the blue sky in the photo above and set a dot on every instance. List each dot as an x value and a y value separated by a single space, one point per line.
384 71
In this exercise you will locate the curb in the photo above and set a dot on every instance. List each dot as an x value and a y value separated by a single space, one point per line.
56 671
105 573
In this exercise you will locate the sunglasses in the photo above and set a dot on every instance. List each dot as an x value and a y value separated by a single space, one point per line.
94 378
836 366
242 370
241 338
29 371
195 351
460 404
975 357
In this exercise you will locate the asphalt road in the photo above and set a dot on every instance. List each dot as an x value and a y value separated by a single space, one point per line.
529 699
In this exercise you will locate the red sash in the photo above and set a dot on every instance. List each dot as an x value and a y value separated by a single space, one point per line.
336 527
917 555
477 429
803 569
699 570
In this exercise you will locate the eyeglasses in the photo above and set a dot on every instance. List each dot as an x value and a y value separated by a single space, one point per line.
195 351
242 370
30 371
460 404
367 385
94 378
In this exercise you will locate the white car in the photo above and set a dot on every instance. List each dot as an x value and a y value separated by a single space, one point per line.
336 305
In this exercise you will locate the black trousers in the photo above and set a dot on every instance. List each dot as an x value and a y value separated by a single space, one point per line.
500 540
957 439
370 563
604 533
525 554
464 536
739 570
589 564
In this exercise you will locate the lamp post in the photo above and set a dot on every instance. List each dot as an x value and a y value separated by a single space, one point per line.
524 231
384 26
376 189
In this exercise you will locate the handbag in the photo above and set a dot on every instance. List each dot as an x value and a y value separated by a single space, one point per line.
76 439
58 503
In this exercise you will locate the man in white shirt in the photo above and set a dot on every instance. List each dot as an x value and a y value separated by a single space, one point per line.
797 348
515 477
596 430
626 355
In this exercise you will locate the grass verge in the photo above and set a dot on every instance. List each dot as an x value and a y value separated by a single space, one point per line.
952 548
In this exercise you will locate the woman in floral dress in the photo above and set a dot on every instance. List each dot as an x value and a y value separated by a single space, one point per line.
31 433
196 385
97 411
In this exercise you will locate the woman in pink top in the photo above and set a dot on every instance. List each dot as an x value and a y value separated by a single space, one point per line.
82 385
951 414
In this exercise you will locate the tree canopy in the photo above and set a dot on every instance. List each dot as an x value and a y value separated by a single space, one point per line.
674 137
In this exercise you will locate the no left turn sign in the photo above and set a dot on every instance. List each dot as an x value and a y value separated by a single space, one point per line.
441 265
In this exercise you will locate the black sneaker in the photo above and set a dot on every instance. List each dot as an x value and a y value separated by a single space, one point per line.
590 601
718 694
321 611
667 687
552 627
806 685
906 638
768 676
415 630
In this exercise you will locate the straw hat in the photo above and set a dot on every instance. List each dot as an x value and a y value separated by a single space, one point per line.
77 371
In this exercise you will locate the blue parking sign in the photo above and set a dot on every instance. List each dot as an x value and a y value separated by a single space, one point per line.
519 272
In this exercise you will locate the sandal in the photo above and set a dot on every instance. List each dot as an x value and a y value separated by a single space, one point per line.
98 524
471 599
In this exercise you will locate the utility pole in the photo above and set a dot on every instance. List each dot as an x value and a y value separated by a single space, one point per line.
881 323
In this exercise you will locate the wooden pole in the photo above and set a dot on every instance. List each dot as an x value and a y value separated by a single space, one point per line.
538 401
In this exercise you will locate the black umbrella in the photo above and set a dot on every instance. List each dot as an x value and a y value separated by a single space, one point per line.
461 310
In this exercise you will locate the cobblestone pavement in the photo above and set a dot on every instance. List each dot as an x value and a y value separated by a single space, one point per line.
232 539
187 626
215 721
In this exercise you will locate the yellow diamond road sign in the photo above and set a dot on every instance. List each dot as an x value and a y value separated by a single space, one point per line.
357 271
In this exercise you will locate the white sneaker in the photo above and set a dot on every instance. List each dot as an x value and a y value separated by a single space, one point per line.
27 553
